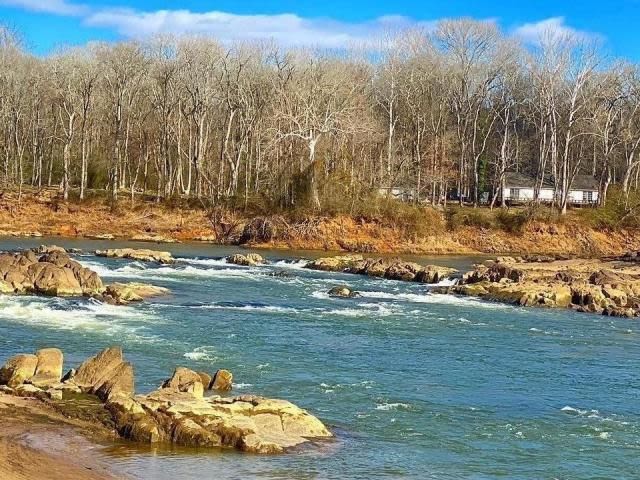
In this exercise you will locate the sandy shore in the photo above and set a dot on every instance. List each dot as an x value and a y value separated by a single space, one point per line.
38 444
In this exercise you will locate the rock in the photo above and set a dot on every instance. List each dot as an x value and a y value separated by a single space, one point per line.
343 292
48 279
105 374
608 277
222 381
334 264
185 380
145 237
613 311
124 293
18 369
54 394
249 260
280 274
249 423
100 236
50 249
434 274
30 391
175 414
379 267
404 271
205 378
49 368
143 255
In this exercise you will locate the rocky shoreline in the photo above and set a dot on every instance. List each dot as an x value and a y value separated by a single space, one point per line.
609 286
50 271
102 392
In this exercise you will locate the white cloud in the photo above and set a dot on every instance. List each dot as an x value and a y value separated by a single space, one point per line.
287 28
57 7
554 28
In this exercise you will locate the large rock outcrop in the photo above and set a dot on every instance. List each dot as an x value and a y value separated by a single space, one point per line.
608 287
392 269
52 273
141 254
177 413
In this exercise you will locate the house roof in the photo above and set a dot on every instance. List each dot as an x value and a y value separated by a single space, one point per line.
580 182
584 182
517 179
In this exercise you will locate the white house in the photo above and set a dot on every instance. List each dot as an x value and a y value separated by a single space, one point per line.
519 188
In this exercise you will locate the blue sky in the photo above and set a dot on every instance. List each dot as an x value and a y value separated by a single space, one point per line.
47 24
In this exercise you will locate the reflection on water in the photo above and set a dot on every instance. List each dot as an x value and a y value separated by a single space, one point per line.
415 385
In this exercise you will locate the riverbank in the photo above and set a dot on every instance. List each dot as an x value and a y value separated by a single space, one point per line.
43 215
36 442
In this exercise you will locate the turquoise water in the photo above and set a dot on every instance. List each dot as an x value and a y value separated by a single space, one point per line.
415 385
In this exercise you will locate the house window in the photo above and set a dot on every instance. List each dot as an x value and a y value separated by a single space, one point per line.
587 196
514 193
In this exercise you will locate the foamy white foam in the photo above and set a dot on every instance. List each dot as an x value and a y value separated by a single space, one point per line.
393 406
72 314
241 386
251 308
295 264
436 298
203 353
136 270
219 262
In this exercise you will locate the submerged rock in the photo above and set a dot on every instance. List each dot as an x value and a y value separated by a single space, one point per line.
141 254
343 292
152 237
125 293
249 260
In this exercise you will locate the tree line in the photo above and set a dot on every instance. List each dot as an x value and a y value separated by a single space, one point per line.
443 113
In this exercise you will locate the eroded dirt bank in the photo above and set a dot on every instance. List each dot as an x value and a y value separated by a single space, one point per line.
146 221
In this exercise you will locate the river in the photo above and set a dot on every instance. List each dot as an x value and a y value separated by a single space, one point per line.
414 384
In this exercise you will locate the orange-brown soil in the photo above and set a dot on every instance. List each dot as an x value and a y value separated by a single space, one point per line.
42 214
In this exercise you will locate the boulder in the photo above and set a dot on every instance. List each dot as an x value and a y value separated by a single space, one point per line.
343 292
185 380
50 249
248 423
434 274
222 381
152 237
205 378
49 368
143 255
105 374
404 271
124 293
249 260
334 264
49 279
18 369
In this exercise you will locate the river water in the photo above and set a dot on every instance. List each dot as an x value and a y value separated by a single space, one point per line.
414 384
